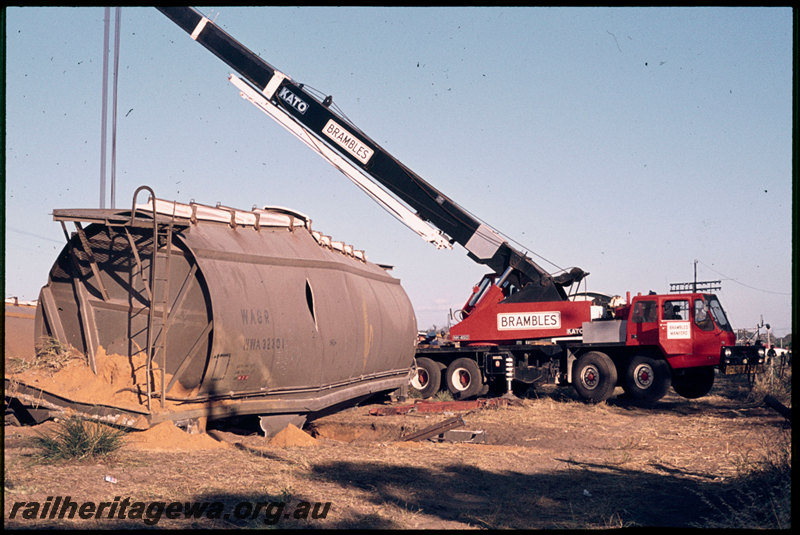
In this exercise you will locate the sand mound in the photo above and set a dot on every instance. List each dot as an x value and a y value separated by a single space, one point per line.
292 436
76 381
167 437
118 381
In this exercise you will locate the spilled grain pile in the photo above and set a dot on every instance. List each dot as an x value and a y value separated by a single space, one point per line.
120 381
167 437
292 436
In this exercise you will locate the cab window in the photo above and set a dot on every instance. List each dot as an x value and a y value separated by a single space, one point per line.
702 317
718 314
644 312
677 309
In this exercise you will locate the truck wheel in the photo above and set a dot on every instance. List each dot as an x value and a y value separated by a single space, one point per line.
693 383
647 379
595 376
428 377
464 378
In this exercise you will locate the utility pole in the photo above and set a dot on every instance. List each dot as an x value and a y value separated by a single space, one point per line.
706 286
104 119
118 16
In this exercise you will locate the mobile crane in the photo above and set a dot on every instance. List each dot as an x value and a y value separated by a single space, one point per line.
519 325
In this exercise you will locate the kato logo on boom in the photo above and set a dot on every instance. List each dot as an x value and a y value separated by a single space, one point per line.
293 100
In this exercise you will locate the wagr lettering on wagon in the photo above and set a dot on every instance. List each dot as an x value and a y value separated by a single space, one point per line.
254 316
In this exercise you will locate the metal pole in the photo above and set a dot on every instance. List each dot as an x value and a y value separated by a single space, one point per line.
105 111
117 13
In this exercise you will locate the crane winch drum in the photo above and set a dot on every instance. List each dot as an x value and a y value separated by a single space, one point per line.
248 305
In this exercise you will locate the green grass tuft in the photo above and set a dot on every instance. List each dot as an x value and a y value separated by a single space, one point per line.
79 439
443 395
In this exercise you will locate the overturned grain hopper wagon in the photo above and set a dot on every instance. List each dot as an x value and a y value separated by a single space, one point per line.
246 312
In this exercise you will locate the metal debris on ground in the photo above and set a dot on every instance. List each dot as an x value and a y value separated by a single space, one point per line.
442 406
435 429
465 436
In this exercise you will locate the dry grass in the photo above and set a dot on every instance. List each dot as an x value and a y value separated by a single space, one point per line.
50 354
759 497
776 381
549 463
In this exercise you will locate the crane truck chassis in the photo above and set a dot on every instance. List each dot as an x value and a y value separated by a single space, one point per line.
655 342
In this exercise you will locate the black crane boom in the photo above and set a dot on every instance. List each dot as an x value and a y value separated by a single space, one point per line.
483 244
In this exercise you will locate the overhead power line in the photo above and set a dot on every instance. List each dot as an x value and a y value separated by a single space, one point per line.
743 284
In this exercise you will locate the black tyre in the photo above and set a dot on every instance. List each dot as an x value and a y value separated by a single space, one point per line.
464 378
647 379
595 376
428 377
693 383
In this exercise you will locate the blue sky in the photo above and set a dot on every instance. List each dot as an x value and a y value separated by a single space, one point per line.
629 142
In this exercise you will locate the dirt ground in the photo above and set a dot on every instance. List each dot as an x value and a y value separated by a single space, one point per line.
550 462
546 462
